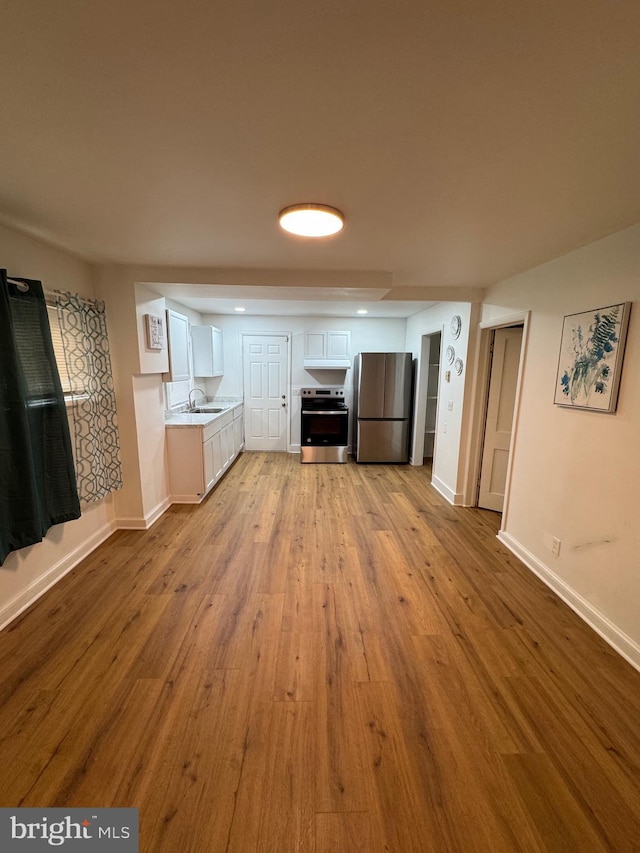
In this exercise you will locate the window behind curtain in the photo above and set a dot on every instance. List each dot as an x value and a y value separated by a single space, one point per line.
58 349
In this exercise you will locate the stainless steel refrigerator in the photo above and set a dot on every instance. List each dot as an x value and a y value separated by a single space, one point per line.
382 400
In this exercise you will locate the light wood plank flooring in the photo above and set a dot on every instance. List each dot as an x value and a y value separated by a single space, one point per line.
325 659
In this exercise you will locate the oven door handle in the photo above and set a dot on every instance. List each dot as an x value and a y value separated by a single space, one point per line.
323 412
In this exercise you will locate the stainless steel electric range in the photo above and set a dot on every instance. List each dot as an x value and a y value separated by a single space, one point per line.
324 429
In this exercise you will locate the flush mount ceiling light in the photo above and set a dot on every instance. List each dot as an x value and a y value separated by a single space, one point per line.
362 311
240 309
311 220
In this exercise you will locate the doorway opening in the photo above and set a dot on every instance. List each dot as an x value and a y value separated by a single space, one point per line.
431 410
424 443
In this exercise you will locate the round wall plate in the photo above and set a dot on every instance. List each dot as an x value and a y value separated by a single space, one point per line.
458 366
450 355
456 325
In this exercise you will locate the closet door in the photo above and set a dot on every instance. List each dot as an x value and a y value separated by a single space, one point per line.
497 437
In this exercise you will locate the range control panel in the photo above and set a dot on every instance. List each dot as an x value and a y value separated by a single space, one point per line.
330 391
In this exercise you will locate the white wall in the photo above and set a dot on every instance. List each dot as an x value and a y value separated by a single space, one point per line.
575 474
367 335
140 394
148 302
30 571
453 421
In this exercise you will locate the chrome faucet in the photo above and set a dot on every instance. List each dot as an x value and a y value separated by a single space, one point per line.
192 403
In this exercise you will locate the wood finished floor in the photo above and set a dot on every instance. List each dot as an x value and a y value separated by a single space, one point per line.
325 659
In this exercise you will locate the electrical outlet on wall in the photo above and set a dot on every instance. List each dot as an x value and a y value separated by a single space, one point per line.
555 547
450 405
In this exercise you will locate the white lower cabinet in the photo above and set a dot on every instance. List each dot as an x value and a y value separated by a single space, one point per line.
211 473
226 446
200 455
238 433
216 455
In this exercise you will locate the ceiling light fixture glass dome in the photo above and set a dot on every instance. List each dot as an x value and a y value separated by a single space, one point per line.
311 220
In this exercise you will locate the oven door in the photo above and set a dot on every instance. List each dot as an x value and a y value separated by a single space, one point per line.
325 428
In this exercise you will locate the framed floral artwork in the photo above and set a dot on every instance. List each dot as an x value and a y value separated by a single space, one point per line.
591 354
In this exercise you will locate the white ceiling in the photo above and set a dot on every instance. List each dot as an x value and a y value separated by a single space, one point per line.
464 141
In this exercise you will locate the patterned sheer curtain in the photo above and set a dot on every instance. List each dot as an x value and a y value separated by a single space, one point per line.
83 328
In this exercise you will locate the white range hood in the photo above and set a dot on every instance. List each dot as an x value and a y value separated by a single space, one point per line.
327 363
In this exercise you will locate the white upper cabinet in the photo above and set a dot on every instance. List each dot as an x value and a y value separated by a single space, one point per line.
208 359
327 350
178 346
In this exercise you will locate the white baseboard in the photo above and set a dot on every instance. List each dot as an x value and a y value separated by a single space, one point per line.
34 591
454 498
145 522
187 499
157 511
609 632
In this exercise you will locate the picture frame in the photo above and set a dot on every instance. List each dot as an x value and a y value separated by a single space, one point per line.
591 355
154 328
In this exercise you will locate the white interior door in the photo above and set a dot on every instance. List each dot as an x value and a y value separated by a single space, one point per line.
497 438
266 394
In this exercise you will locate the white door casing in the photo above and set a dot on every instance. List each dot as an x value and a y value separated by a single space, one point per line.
423 382
500 406
266 395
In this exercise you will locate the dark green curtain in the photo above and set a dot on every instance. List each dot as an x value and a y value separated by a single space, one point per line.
37 476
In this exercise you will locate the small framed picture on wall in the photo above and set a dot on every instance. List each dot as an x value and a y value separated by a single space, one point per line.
154 327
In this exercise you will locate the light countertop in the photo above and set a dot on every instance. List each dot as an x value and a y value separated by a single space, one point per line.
200 419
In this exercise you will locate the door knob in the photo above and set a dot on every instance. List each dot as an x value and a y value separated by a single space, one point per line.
284 396
284 405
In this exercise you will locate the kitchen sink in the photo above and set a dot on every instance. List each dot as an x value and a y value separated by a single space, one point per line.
208 410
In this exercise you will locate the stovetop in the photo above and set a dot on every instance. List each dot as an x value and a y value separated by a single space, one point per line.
323 396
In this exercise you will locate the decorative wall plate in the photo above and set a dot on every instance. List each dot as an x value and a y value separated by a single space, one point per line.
450 355
458 366
456 326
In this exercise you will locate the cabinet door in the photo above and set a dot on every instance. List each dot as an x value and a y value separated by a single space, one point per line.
238 436
338 344
231 445
218 456
209 464
207 351
226 441
315 345
218 353
178 338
